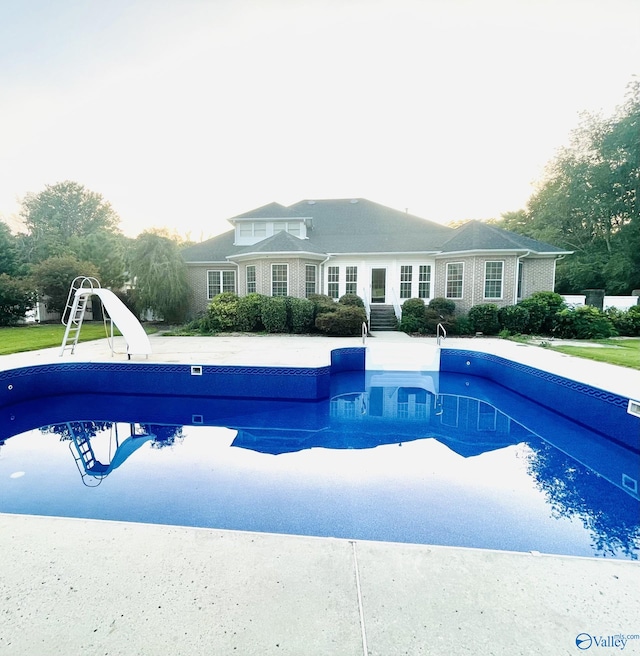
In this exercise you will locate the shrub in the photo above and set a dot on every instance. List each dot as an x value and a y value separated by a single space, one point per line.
345 320
442 305
249 317
322 303
411 324
351 299
461 325
514 318
413 316
543 308
584 322
302 315
274 314
15 299
625 322
222 314
484 318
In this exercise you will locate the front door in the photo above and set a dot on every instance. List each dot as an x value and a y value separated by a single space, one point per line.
378 285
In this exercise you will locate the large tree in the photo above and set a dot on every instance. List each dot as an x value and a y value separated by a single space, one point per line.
159 276
53 277
61 213
589 202
8 251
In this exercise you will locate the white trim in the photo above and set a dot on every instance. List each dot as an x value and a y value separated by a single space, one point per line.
284 264
446 282
484 281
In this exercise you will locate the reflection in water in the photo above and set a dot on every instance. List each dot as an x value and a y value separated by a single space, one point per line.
582 475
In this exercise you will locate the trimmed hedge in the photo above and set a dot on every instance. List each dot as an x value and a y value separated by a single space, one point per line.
249 317
302 315
343 321
514 318
484 318
274 314
222 312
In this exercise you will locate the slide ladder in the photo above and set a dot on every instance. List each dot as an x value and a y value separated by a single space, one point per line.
114 311
74 311
91 471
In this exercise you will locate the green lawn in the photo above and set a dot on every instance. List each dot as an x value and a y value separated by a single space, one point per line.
16 339
623 352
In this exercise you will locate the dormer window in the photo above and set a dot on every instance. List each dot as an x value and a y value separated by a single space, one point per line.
251 232
251 229
292 227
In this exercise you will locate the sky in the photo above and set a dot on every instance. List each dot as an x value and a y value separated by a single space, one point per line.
184 113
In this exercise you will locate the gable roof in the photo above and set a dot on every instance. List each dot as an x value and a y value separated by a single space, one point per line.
480 236
281 242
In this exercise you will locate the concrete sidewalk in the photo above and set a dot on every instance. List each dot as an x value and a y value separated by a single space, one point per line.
89 587
71 586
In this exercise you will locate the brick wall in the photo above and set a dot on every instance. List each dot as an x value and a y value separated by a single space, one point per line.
538 275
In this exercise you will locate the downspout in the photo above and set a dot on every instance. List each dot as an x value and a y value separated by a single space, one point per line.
515 287
322 271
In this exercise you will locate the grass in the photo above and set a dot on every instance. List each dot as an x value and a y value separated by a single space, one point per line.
623 352
17 339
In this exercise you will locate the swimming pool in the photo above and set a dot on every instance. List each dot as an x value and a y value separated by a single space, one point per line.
446 457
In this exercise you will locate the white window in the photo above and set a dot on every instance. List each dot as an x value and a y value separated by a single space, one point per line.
424 281
333 281
251 279
249 229
406 274
310 280
455 272
351 286
493 279
279 279
220 281
294 229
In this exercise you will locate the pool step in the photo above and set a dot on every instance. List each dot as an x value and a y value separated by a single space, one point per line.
402 357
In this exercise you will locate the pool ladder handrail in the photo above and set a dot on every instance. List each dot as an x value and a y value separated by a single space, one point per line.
441 333
73 314
365 332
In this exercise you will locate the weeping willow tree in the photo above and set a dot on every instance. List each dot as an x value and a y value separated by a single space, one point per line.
159 276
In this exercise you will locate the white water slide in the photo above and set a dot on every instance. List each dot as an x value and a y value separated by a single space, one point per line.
82 289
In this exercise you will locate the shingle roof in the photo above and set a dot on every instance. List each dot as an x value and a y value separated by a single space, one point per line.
362 226
212 250
281 242
479 236
270 211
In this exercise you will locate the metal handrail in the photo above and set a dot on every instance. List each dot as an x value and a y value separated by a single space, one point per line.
441 333
365 332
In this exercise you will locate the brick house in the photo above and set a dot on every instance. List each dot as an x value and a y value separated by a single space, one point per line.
356 246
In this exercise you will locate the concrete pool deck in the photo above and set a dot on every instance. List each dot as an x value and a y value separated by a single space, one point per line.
70 586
